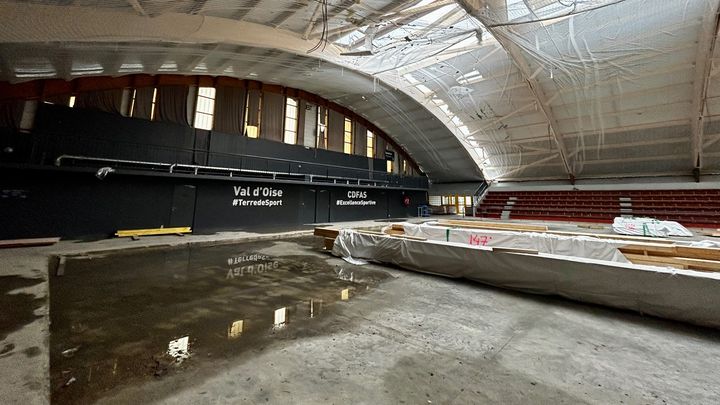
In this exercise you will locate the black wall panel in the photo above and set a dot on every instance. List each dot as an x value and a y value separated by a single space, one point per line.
249 205
223 145
40 204
15 147
396 208
65 130
351 204
50 202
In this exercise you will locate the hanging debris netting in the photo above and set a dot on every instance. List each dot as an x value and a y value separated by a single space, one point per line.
543 88
531 88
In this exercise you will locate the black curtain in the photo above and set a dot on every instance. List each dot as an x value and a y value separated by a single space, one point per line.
336 127
273 115
171 104
62 99
379 147
105 100
229 109
359 139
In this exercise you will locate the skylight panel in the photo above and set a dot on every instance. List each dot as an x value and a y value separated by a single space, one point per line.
201 68
130 67
168 67
41 69
79 69
471 77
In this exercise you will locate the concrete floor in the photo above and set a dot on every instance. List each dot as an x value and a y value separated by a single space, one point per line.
411 338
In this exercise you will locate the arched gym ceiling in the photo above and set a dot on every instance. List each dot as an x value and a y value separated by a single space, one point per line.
522 89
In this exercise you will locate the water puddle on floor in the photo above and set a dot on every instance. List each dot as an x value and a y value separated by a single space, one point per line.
23 306
128 318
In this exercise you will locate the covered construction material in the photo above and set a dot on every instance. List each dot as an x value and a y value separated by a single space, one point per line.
683 295
564 245
649 227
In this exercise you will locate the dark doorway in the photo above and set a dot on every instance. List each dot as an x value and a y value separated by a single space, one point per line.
322 206
183 206
306 209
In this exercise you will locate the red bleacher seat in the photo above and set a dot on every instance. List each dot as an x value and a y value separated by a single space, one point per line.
689 207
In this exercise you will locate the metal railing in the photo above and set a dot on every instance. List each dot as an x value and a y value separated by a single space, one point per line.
479 196
76 150
215 170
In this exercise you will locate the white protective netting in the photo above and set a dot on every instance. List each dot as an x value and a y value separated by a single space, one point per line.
543 88
531 88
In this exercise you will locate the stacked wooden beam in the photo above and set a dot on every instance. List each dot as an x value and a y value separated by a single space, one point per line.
681 257
329 234
504 226
134 233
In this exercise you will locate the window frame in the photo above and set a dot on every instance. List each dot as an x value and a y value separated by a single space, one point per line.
211 100
295 120
348 136
370 144
255 129
153 104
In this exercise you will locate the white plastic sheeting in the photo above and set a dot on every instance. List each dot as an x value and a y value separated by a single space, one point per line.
649 227
578 246
546 89
675 294
531 88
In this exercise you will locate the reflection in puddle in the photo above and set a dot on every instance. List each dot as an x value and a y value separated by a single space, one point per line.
280 317
130 317
235 330
178 349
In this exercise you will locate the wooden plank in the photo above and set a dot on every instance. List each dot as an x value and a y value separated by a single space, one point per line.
397 227
683 262
326 232
14 243
155 231
614 237
370 232
640 260
391 235
712 254
505 226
